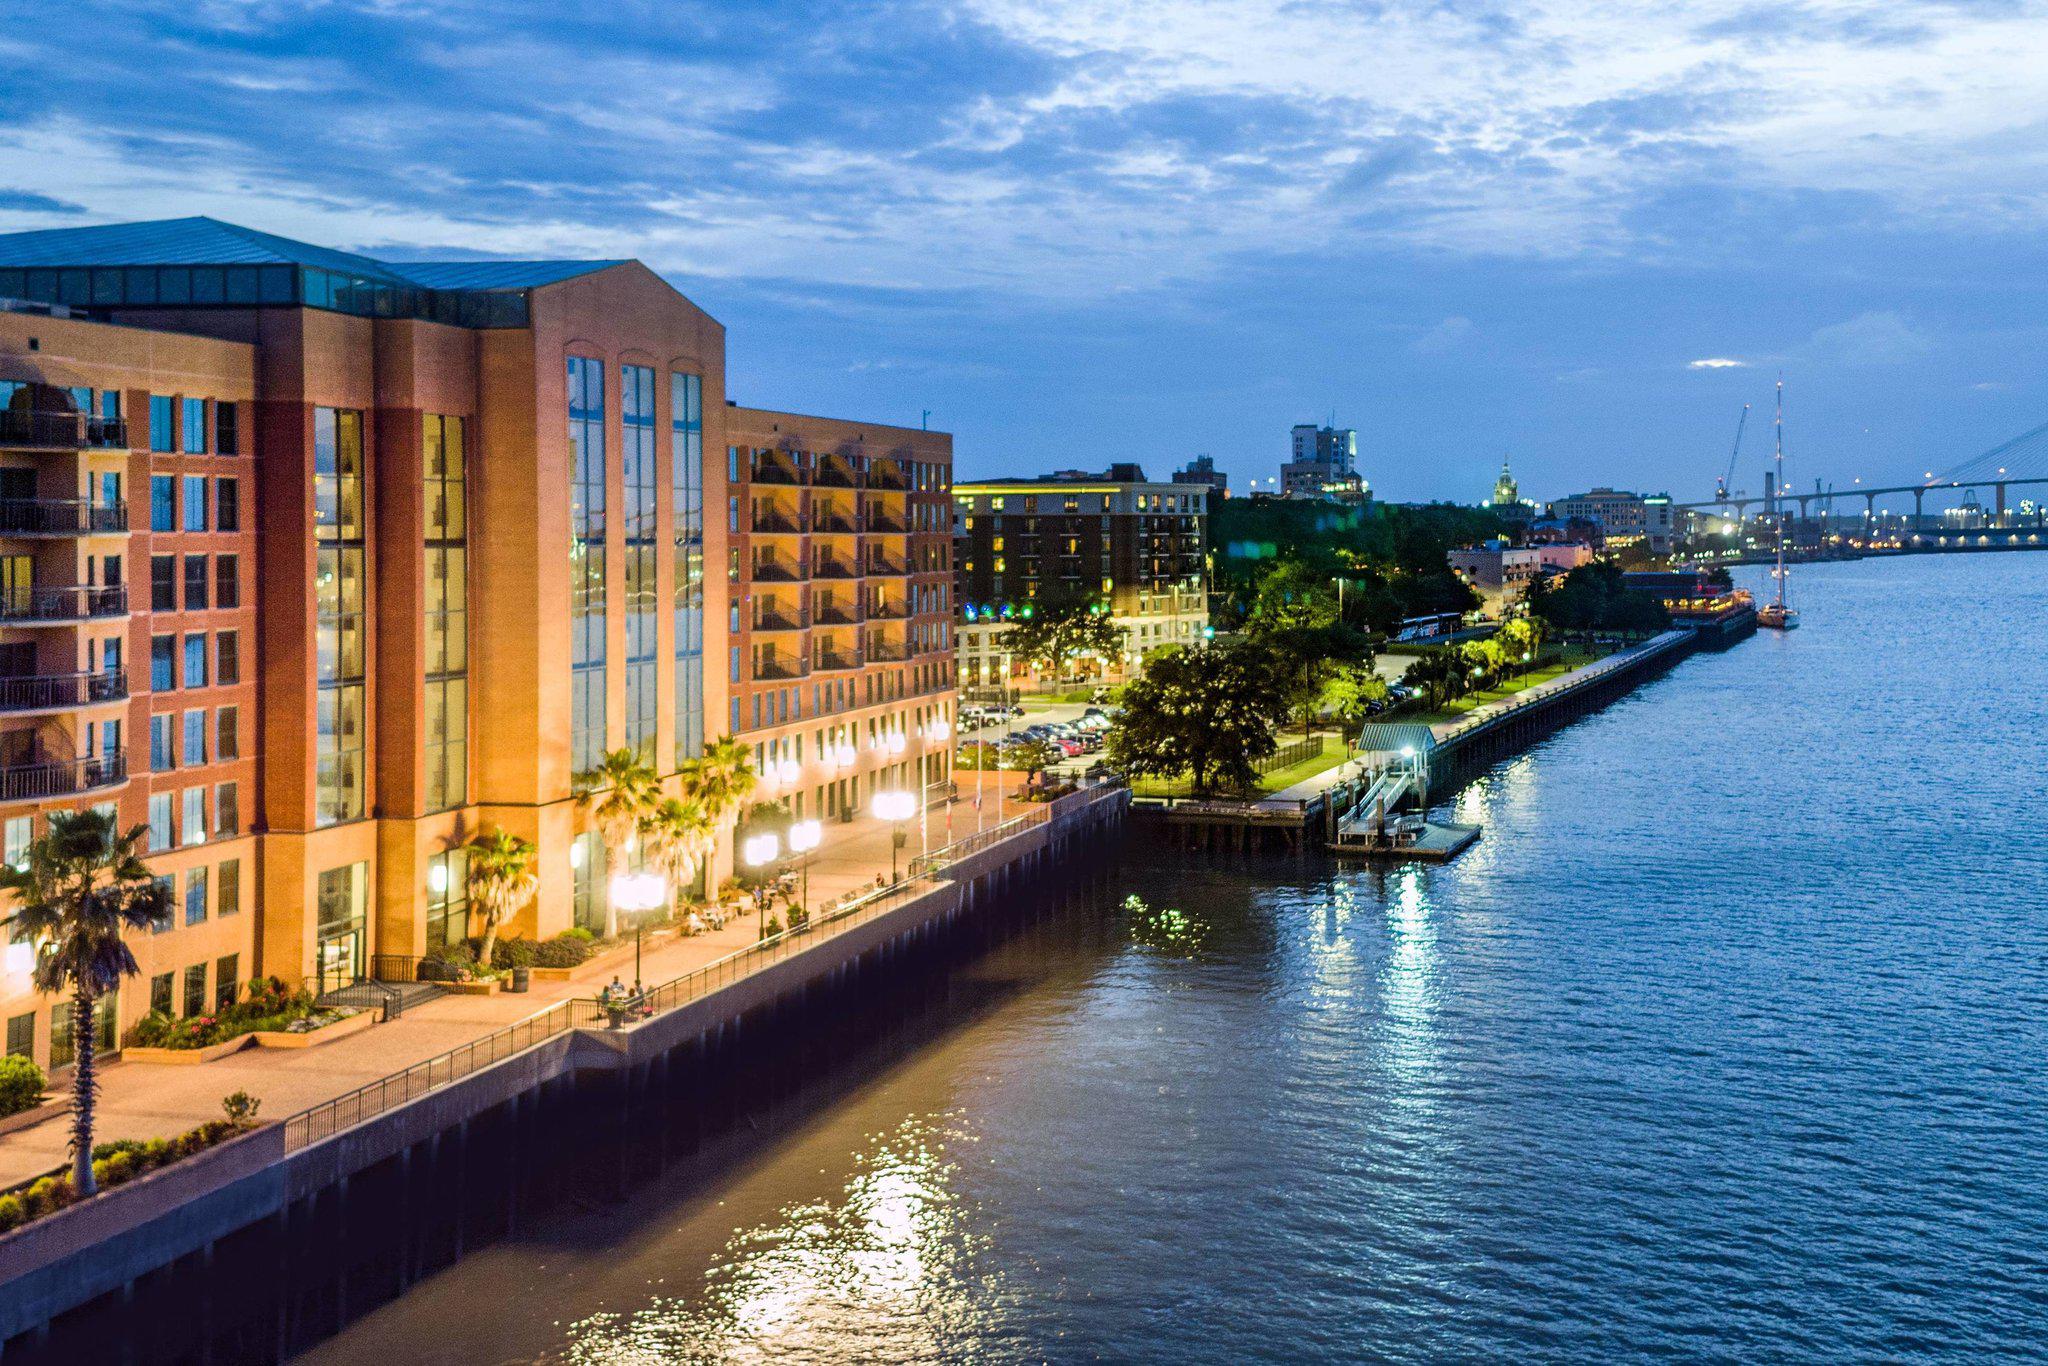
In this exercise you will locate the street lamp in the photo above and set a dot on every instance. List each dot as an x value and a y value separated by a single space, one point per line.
789 770
758 852
895 806
803 839
638 893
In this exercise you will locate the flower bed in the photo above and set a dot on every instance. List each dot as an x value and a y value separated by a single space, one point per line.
314 1030
125 1159
270 1007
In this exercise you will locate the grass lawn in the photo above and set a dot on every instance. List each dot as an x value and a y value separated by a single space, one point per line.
1451 711
1280 778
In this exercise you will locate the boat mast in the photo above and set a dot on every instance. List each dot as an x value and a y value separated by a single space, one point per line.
1779 491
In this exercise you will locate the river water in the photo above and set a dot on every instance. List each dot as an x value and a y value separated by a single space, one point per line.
1725 1041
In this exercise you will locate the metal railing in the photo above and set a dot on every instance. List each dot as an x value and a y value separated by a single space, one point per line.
832 567
831 614
830 661
1491 712
775 472
775 570
63 777
1287 756
60 517
40 692
779 667
771 523
765 620
836 523
62 431
394 967
63 604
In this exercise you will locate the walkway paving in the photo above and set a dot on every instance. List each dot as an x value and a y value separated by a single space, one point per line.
143 1100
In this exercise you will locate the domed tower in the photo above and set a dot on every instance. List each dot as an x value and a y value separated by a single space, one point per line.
1506 493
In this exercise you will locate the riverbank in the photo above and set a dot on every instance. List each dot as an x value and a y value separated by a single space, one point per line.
96 1248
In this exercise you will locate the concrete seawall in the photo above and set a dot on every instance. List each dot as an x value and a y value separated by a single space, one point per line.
251 1251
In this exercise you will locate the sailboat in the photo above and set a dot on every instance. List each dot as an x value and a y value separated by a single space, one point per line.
1777 614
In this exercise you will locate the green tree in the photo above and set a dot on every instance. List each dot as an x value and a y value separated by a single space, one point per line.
1209 714
1439 672
1059 629
1352 693
1031 758
1295 616
501 881
80 888
677 836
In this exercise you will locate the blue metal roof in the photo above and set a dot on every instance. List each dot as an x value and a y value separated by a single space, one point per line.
494 274
178 242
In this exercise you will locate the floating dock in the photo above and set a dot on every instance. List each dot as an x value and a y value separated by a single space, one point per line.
1408 840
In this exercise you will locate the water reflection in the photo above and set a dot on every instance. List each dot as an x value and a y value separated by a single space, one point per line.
1408 991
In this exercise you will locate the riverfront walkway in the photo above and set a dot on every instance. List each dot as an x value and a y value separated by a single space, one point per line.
146 1100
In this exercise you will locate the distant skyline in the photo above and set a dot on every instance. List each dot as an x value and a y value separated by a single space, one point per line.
1580 235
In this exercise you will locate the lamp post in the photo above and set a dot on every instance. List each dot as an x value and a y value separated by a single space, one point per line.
894 806
637 894
758 852
803 839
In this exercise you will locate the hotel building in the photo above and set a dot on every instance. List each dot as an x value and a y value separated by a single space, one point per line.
1138 545
422 542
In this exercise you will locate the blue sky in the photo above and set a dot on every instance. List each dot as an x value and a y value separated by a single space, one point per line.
1079 232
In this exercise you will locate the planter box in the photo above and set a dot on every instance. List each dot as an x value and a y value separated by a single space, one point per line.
599 965
482 988
187 1057
36 1114
313 1038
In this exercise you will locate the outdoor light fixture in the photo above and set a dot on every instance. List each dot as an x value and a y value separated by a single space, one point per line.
437 877
804 836
895 742
845 754
759 850
576 854
789 770
636 894
895 806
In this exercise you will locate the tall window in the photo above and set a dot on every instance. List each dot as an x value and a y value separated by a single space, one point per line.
195 426
589 894
446 758
161 407
339 590
586 530
447 897
686 479
636 404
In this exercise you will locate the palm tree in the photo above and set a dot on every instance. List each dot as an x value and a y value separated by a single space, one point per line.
81 886
677 835
619 792
726 775
501 882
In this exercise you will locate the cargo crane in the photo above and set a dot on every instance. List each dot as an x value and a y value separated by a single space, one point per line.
1721 490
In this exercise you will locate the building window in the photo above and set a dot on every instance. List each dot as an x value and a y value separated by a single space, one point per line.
227 505
195 502
447 613
195 815
227 898
194 429
163 750
588 893
195 896
227 741
338 924
195 583
20 831
163 583
163 992
227 582
163 502
161 834
447 743
686 490
195 989
163 663
636 416
227 436
227 980
227 658
339 590
195 660
227 811
21 1035
160 424
447 897
587 570
195 737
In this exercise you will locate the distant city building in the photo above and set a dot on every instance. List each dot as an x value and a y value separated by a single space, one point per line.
1507 496
1561 557
1624 518
1202 470
1139 545
1496 565
1324 464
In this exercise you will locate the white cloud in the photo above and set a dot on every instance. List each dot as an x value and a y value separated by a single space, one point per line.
1717 363
1445 336
1879 337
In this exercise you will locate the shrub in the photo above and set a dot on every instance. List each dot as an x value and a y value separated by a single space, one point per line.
46 1196
132 1146
513 953
11 1214
118 1167
561 953
240 1108
576 932
21 1084
155 1153
771 926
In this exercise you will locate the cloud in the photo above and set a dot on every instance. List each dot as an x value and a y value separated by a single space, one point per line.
1878 337
1717 363
1445 336
28 201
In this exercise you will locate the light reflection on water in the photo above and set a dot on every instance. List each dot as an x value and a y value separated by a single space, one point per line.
1724 1041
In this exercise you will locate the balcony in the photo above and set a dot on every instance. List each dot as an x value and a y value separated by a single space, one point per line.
835 523
881 566
61 692
834 472
61 517
769 668
56 431
62 606
773 471
770 569
832 613
888 611
833 567
776 524
765 620
837 661
887 476
882 523
887 652
62 778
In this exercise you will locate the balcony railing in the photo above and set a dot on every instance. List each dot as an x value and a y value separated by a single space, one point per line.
775 472
837 474
888 611
60 517
881 523
61 778
886 567
61 431
775 524
47 692
776 667
776 621
887 477
837 661
883 652
772 570
836 523
832 567
80 603
837 614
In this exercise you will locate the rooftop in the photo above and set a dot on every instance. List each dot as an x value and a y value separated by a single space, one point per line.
203 262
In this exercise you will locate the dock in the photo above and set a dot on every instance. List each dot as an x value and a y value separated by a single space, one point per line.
1407 839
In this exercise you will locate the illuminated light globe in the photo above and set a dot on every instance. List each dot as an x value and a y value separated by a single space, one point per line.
844 754
638 892
804 836
789 770
893 805
895 742
760 849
